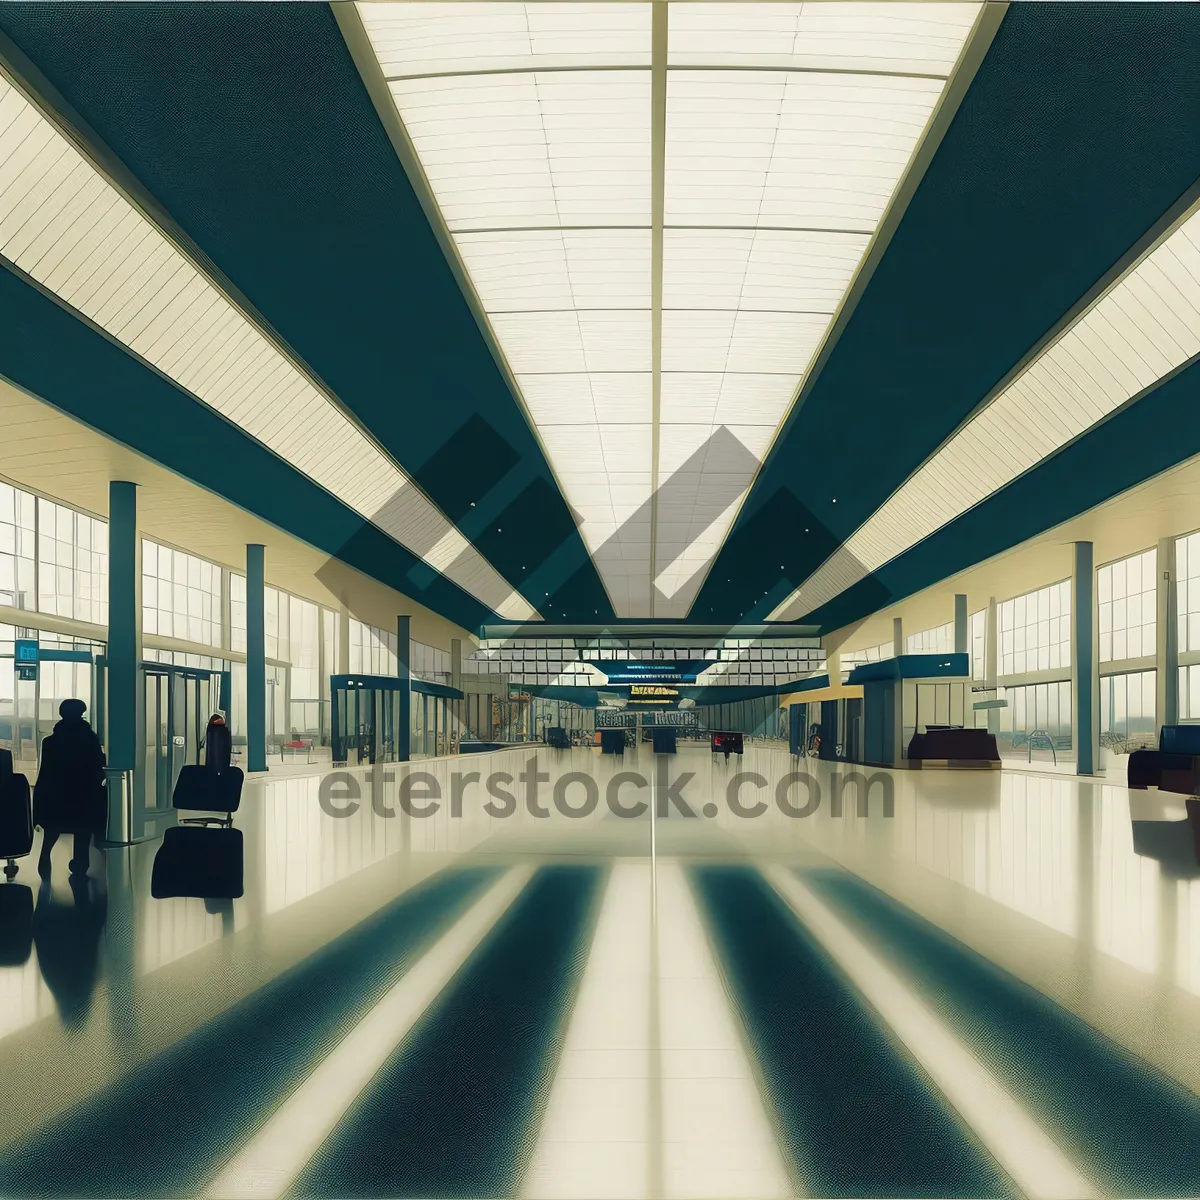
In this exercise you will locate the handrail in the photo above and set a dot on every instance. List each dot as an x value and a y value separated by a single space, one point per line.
1046 742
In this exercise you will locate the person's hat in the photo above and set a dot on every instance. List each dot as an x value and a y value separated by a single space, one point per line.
70 709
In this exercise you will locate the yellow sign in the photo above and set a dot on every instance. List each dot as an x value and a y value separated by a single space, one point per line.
648 689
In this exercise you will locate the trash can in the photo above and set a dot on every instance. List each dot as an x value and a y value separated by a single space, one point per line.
118 783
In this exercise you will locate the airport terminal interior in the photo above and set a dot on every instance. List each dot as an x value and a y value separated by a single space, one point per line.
600 599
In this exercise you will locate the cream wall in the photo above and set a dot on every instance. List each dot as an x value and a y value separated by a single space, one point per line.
45 451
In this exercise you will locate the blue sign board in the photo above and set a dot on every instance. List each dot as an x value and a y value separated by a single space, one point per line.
25 652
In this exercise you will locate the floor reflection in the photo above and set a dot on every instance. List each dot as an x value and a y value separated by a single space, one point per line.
642 977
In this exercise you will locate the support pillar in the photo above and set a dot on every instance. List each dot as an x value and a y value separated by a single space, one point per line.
833 666
256 659
125 714
1166 648
456 663
961 639
403 670
898 647
1084 682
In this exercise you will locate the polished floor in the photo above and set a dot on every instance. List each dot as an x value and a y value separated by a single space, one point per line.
989 986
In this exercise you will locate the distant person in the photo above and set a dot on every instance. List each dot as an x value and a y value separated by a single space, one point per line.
218 744
69 794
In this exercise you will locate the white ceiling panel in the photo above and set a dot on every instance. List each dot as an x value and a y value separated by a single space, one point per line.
454 39
579 341
753 342
66 226
619 398
895 38
727 398
533 150
528 270
769 270
767 148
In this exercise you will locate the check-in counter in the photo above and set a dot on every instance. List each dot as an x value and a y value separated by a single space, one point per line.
905 697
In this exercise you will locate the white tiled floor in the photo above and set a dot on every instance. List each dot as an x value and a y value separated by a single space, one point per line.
1085 891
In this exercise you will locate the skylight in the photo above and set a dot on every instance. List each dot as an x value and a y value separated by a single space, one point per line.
661 208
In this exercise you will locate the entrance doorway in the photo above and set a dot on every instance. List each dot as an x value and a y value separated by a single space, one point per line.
366 718
179 701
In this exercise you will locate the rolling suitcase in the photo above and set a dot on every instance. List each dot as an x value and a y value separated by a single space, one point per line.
16 815
16 924
196 860
200 789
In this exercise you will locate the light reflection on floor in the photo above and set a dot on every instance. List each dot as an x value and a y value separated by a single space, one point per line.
649 1072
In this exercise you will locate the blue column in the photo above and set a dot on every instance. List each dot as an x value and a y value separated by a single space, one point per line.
961 638
1166 651
256 660
403 648
124 626
1083 660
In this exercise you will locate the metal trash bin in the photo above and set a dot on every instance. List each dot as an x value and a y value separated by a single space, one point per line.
118 782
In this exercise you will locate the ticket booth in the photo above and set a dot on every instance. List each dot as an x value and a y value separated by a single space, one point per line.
911 694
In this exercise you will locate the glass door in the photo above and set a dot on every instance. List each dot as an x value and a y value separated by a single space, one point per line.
157 795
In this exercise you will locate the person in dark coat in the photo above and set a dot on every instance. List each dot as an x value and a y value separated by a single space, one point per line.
69 794
218 744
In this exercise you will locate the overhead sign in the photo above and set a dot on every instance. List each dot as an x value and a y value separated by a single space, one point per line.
25 652
609 718
655 690
619 671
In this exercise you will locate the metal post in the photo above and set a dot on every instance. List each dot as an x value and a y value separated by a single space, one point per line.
403 671
1084 683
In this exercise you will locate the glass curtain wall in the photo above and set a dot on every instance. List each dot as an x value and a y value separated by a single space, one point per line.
1127 705
1043 708
939 640
1127 607
1127 617
17 548
1035 631
181 595
372 650
72 558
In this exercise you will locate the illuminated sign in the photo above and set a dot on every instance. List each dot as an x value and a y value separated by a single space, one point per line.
622 671
643 689
25 654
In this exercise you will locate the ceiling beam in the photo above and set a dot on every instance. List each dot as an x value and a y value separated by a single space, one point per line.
658 156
